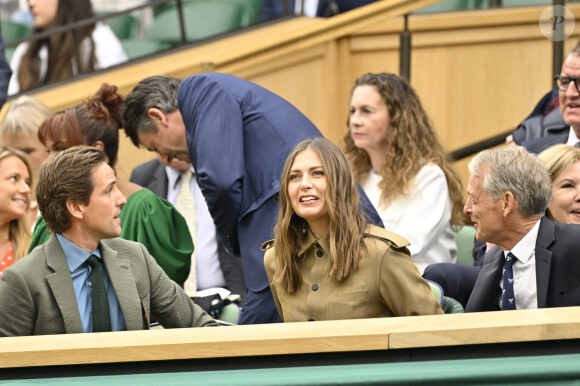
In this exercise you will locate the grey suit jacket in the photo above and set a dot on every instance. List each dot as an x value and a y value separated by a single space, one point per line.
152 175
37 296
557 270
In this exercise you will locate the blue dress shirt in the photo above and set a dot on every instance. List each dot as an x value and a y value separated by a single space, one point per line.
76 259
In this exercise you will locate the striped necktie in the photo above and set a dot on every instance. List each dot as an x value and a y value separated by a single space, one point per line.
101 313
185 204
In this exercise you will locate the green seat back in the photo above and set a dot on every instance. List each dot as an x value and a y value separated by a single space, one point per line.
124 26
465 241
136 48
202 20
12 31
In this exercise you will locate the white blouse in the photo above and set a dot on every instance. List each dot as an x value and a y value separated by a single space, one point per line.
422 217
108 52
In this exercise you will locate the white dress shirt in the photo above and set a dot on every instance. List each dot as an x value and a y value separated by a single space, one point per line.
525 286
209 272
572 138
422 217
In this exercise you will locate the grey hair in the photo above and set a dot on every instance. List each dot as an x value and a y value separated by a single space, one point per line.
153 92
513 169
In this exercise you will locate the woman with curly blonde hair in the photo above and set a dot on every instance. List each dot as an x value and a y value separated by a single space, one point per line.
402 167
326 262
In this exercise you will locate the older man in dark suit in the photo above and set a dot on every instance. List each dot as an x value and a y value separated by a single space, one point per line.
85 278
535 261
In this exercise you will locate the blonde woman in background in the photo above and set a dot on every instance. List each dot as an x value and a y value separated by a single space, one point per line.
19 129
15 188
563 165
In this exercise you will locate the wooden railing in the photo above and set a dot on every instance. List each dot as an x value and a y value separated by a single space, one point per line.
463 331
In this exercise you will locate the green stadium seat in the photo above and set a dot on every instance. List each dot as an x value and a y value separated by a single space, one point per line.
202 20
12 31
251 9
124 26
137 48
465 241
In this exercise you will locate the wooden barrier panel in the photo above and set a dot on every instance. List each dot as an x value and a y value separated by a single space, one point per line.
343 336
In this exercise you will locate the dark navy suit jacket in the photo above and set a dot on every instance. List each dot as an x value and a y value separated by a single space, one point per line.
239 135
538 145
152 175
557 270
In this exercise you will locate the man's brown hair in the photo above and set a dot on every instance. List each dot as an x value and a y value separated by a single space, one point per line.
66 175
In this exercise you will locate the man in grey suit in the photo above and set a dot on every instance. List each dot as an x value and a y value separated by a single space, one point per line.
216 266
55 288
535 261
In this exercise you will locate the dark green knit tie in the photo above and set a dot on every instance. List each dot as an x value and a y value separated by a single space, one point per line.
101 313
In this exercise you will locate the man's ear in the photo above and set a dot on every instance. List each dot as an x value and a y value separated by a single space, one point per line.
75 209
156 114
509 203
99 145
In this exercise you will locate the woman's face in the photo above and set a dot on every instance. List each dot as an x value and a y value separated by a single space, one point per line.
565 204
31 146
14 189
307 191
44 12
369 118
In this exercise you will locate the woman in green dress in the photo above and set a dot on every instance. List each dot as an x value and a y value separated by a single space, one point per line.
146 218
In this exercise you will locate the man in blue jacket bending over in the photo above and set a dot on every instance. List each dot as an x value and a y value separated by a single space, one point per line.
237 135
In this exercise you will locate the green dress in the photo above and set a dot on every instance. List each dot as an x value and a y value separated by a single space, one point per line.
155 223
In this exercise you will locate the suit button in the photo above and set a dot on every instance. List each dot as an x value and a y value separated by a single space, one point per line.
319 253
315 287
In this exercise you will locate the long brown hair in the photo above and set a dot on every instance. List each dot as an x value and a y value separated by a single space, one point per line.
65 50
347 221
19 232
410 143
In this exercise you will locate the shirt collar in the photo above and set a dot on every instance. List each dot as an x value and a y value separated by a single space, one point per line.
323 243
75 255
174 175
525 247
572 138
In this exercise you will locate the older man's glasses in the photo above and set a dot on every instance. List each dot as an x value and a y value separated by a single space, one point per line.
564 81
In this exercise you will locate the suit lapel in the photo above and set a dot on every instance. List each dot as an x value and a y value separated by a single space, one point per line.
61 285
159 181
543 260
121 277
